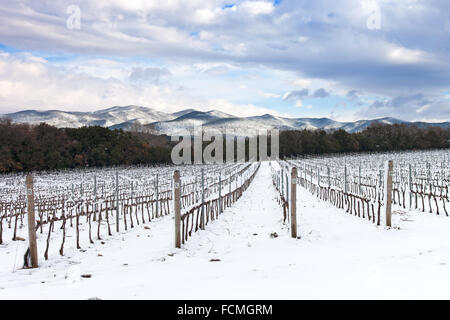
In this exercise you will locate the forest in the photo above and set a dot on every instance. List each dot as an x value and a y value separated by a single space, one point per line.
26 147
43 147
375 138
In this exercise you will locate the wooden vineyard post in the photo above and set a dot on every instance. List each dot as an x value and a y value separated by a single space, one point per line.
359 181
157 195
31 221
117 201
304 171
220 192
345 179
229 186
202 217
318 177
410 185
95 186
177 206
287 185
277 181
294 202
329 180
388 191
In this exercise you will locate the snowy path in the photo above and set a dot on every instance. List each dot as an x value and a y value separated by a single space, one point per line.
338 256
352 258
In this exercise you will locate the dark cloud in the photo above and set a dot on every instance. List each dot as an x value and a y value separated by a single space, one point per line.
316 39
417 100
401 101
304 93
296 95
352 95
410 107
377 104
321 93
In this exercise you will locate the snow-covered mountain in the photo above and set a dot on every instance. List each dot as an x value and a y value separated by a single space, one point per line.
244 125
106 117
182 121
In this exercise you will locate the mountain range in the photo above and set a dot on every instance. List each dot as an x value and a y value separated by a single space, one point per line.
179 122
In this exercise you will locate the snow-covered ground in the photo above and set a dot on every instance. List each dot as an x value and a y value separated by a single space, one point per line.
338 256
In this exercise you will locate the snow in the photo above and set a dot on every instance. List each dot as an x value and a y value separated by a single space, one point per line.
339 256
183 121
106 117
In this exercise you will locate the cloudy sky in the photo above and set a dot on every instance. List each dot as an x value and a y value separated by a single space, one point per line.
343 59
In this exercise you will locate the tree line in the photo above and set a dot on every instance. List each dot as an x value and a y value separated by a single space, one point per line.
375 138
26 147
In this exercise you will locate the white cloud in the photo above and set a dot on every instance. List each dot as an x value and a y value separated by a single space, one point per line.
302 83
300 104
302 39
30 83
407 56
205 16
320 44
214 68
270 95
243 110
257 7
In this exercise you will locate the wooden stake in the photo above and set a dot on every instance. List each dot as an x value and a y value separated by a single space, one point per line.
95 186
220 192
345 179
410 185
202 217
157 195
287 185
388 191
359 181
294 202
31 222
117 201
328 173
318 177
177 206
